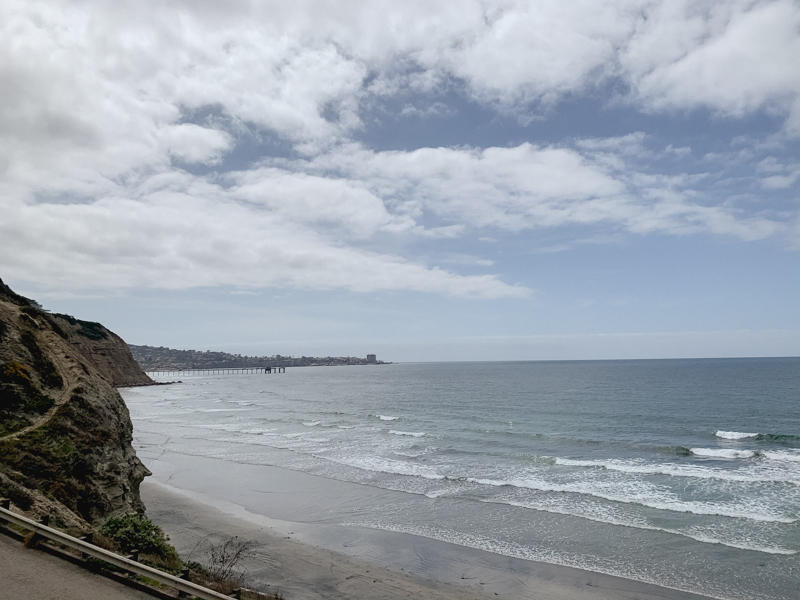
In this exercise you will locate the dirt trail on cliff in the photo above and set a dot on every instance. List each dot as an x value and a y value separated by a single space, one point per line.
66 432
63 365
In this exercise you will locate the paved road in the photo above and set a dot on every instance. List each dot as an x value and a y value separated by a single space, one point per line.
34 575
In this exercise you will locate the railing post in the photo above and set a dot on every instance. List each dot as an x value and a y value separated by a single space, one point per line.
4 503
89 539
184 575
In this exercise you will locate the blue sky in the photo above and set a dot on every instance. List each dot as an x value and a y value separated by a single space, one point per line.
455 181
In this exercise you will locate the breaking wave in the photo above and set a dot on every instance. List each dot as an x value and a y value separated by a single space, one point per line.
734 435
792 441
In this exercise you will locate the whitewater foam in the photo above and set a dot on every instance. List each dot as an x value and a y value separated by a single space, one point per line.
393 467
734 435
747 473
722 453
599 516
644 495
781 455
408 433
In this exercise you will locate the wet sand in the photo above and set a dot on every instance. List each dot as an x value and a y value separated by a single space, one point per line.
335 562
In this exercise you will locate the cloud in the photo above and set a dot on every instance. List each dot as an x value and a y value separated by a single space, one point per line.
529 187
434 110
519 52
180 231
194 144
736 58
106 110
778 175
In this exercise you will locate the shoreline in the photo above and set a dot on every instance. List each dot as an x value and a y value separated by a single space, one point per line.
297 559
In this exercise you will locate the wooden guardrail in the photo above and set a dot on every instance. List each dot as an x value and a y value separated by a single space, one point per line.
115 559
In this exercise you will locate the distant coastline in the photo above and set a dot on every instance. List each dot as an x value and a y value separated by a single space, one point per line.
154 358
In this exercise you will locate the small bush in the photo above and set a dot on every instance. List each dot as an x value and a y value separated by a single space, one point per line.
93 331
139 533
40 404
12 399
105 542
88 329
196 567
170 563
14 372
16 298
17 391
224 559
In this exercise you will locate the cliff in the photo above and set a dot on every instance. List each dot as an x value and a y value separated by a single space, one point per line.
65 432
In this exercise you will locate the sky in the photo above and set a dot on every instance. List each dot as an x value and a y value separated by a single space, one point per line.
450 180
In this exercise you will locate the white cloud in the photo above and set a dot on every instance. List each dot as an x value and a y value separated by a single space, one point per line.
194 144
98 99
522 51
779 175
434 110
177 237
735 58
529 187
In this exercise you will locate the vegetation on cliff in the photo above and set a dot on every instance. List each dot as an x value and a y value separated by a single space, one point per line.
65 432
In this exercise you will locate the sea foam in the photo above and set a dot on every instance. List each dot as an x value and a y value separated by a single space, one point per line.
644 495
781 455
409 433
590 512
734 435
722 453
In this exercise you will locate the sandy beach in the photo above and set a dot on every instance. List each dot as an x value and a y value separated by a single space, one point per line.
303 569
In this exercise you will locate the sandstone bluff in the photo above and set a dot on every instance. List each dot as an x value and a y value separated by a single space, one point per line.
65 432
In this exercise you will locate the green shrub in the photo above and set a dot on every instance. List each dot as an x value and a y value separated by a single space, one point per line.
195 566
40 404
9 425
12 296
138 533
93 331
88 329
17 391
14 372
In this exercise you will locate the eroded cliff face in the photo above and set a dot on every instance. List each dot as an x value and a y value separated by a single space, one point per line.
65 432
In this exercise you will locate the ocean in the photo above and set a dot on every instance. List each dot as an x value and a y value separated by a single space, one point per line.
681 473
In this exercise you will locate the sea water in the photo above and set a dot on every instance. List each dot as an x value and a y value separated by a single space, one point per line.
682 473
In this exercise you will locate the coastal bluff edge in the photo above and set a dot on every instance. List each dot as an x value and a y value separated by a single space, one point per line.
65 432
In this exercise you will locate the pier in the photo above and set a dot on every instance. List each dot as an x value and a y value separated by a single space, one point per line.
226 371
